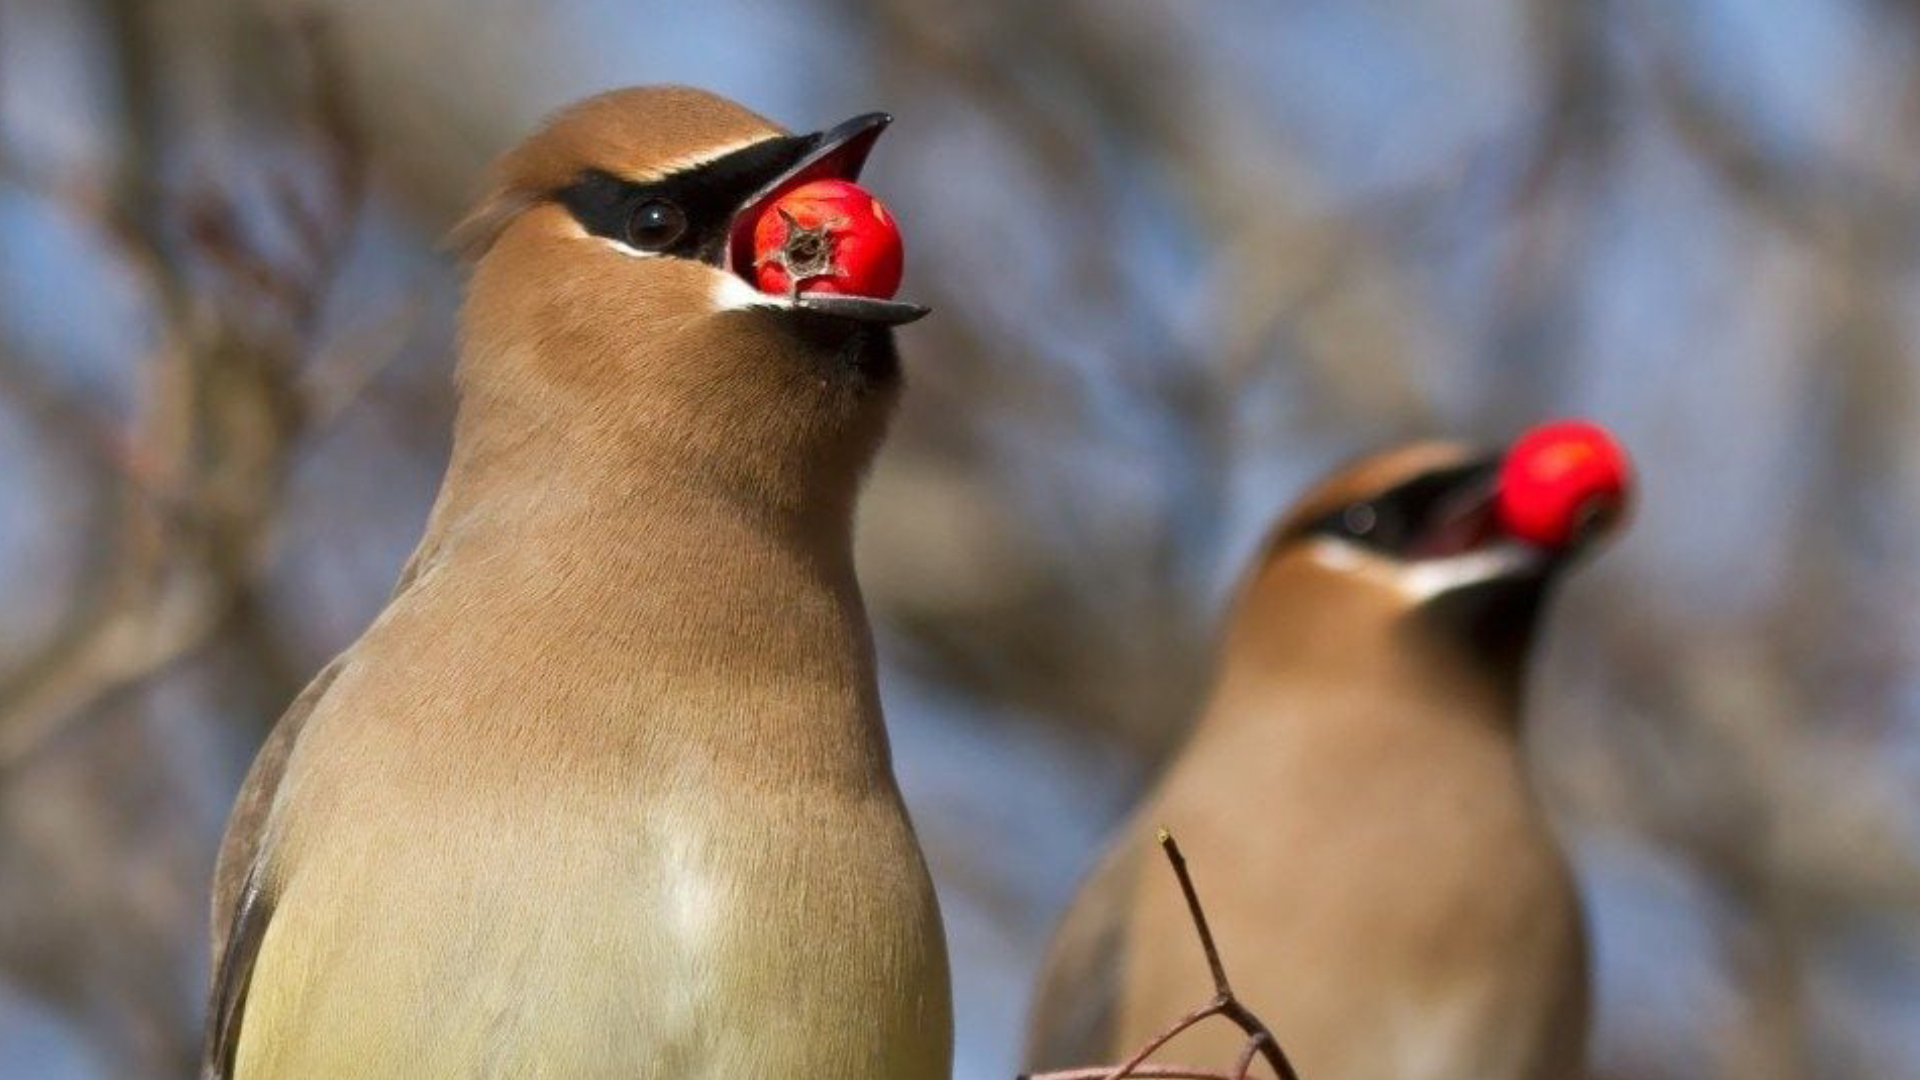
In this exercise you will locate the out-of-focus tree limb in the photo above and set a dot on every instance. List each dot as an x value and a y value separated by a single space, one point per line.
1824 200
235 382
226 407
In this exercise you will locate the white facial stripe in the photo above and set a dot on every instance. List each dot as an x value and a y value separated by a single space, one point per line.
630 252
696 158
731 293
575 231
1424 579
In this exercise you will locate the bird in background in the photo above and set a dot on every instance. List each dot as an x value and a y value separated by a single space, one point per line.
604 791
1380 876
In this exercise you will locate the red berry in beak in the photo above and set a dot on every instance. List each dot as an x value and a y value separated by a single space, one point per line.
827 236
1562 480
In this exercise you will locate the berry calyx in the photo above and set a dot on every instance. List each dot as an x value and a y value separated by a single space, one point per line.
827 236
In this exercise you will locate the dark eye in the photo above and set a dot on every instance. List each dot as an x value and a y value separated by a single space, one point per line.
655 225
1359 520
1379 524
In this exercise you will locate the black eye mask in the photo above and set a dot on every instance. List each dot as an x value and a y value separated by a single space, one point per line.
706 196
1402 520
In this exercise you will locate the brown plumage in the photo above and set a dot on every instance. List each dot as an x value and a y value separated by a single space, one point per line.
604 791
1383 885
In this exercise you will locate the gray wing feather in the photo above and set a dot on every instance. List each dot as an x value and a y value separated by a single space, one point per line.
242 900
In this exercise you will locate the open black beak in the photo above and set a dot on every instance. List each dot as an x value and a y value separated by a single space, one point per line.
836 153
1463 517
1459 516
1494 607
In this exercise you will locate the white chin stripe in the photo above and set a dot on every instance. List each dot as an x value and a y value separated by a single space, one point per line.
624 249
576 231
1425 579
732 293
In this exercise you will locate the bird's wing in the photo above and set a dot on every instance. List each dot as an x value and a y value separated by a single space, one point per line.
1073 1014
242 902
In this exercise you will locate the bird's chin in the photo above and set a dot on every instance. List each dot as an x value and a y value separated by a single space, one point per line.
853 354
863 353
1495 609
1495 617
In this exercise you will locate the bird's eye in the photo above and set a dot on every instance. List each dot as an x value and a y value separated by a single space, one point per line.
1359 520
655 225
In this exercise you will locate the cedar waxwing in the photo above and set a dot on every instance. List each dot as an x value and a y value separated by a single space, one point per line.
1382 884
604 791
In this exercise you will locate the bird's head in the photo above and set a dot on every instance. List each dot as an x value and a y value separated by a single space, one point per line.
613 293
1434 549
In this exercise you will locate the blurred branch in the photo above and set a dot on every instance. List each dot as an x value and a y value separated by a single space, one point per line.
1830 204
227 405
235 382
64 416
1569 57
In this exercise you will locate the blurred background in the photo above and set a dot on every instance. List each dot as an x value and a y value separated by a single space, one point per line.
1184 257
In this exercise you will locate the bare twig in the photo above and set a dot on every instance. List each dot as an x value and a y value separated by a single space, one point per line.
1139 1073
1260 1041
1256 1045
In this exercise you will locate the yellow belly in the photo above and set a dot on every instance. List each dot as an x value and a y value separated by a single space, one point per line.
776 938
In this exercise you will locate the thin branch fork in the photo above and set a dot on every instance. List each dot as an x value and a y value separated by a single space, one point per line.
1260 1041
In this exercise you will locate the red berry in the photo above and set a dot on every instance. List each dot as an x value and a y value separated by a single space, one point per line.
1560 479
833 237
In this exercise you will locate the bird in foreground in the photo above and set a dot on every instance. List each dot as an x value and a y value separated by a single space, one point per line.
1380 879
604 791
